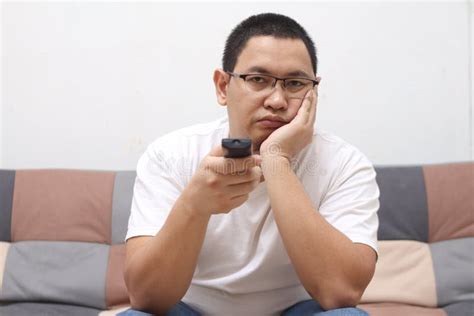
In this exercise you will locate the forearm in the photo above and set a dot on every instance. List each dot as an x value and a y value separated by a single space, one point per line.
325 260
160 273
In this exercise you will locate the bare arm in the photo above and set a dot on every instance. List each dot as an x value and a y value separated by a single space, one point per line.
334 270
159 269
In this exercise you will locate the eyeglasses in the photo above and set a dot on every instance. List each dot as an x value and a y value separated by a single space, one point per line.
295 88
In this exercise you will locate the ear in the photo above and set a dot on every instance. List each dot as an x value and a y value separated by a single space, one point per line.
221 82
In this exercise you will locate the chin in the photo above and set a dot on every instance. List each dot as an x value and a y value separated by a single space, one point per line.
258 136
257 142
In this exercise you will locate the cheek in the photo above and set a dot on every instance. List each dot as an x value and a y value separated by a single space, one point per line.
240 119
293 110
240 114
244 109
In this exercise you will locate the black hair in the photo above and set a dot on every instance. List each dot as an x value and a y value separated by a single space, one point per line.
265 24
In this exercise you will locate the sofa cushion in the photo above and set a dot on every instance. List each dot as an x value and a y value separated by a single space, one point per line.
450 198
404 274
49 309
67 272
67 231
7 180
121 204
426 239
62 205
4 246
396 309
64 272
453 262
403 212
465 308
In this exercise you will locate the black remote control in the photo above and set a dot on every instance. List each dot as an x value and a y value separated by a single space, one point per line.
237 147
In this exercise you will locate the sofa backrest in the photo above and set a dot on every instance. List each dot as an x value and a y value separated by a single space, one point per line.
426 244
62 236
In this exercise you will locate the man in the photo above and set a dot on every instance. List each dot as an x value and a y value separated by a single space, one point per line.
289 230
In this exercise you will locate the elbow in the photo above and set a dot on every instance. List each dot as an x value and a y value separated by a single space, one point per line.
337 297
145 297
147 305
140 305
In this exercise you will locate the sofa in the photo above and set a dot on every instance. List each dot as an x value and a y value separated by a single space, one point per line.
62 241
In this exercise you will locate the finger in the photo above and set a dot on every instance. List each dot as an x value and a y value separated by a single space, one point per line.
238 178
253 174
227 166
314 108
241 188
305 109
242 165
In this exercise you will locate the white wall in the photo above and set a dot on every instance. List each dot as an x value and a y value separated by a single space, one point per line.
1 85
471 21
89 85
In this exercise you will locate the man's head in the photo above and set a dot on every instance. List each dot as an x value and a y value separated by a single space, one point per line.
265 44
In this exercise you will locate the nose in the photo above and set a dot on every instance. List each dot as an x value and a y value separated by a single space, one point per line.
276 100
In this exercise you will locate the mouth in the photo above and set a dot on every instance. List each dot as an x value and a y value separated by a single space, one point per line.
271 122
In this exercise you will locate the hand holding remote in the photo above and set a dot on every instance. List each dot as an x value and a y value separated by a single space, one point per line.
221 184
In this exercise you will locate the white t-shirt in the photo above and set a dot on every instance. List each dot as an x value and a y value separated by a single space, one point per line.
243 267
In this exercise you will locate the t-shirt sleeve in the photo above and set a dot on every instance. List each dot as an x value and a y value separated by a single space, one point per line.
155 191
352 201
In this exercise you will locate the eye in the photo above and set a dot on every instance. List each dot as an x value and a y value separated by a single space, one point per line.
257 79
294 83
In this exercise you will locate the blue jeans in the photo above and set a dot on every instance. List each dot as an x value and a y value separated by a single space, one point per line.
312 308
179 309
304 308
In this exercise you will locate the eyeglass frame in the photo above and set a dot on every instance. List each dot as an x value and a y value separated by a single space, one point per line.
243 76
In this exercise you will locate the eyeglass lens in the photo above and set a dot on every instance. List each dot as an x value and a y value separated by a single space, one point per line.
294 87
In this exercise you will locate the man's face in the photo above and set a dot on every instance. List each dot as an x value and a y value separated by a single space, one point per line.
252 114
